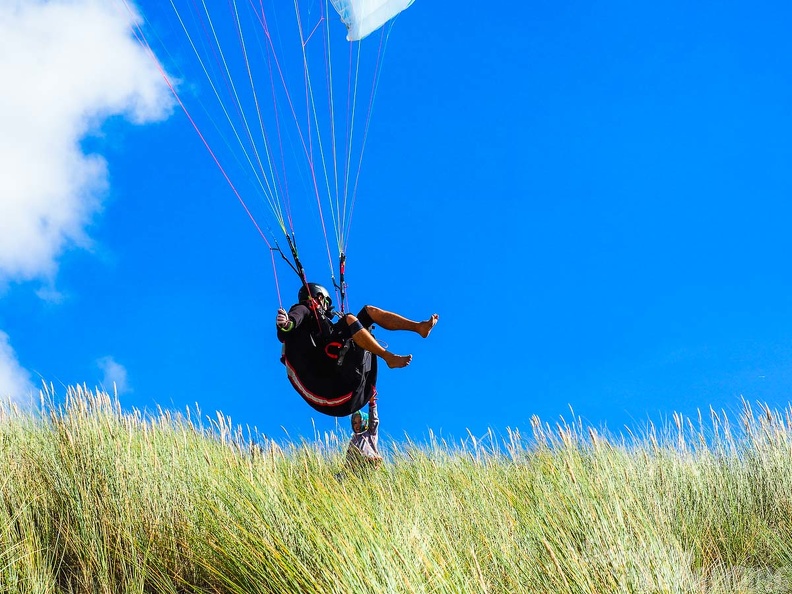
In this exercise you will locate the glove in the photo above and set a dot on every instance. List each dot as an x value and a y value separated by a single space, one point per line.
282 320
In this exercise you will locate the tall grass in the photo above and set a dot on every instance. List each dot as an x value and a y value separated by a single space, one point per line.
95 500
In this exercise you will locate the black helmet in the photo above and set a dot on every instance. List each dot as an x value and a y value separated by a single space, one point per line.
316 290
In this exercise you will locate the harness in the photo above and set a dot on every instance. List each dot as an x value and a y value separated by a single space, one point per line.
333 347
322 337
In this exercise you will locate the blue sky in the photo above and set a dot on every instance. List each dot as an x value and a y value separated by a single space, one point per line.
593 196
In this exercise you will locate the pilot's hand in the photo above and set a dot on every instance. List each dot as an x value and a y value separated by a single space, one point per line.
282 319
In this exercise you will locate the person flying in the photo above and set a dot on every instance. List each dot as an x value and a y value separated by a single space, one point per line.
333 366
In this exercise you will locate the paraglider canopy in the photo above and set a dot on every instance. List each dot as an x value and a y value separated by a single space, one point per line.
362 17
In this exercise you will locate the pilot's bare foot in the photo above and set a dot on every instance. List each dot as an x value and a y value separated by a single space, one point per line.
397 361
425 327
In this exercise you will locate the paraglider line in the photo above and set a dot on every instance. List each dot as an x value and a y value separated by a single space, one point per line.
301 273
331 109
142 39
308 151
311 107
280 251
275 273
380 59
254 93
314 31
217 162
266 190
222 64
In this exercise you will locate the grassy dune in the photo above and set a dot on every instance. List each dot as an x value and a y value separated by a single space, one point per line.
97 500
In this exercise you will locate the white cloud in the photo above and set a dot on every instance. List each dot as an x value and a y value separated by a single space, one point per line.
65 66
50 294
114 374
15 382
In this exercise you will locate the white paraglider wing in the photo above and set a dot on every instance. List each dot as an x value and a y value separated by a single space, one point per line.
365 16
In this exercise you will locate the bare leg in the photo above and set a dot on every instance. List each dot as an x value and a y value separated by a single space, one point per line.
365 340
392 321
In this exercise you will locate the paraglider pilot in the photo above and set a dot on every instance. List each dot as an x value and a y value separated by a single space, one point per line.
333 366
